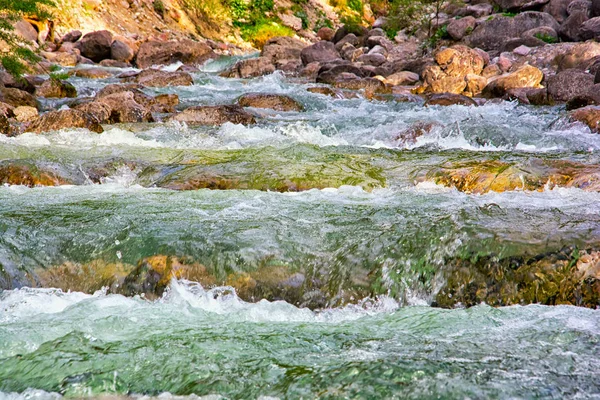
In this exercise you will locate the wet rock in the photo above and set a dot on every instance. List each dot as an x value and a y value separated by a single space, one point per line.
4 125
330 74
102 112
410 135
569 83
114 64
166 53
214 115
494 33
93 73
95 45
158 78
589 115
7 110
250 68
321 52
25 113
526 76
64 119
568 277
570 30
54 88
459 28
121 51
153 274
72 37
370 86
15 172
532 96
449 99
17 97
272 101
534 175
338 94
124 108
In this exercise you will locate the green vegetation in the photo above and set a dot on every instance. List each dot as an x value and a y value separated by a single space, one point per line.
411 15
509 14
16 58
546 38
159 7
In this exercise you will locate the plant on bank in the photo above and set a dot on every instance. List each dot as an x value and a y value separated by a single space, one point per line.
15 54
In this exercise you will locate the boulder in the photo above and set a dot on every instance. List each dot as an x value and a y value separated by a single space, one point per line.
475 84
7 110
449 99
93 73
54 88
276 102
166 53
590 29
459 28
519 5
460 60
64 119
214 115
25 113
526 76
62 59
402 78
72 37
595 9
124 108
475 10
578 55
158 78
280 50
321 52
569 83
330 73
350 38
95 45
250 68
589 116
17 97
531 96
369 85
570 30
114 64
16 172
492 34
544 33
372 59
121 51
325 33
102 112
382 41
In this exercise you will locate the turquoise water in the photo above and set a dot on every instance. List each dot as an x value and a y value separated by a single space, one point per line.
366 250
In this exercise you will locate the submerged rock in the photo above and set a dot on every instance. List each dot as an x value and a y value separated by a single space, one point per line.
565 277
20 173
277 102
536 174
589 115
62 119
214 115
449 99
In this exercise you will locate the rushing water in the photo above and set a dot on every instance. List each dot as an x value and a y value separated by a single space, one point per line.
366 230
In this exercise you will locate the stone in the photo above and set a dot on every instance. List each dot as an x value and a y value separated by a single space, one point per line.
579 5
570 30
543 32
475 10
54 88
504 63
165 53
72 37
569 83
62 59
64 119
459 61
373 41
114 64
326 33
95 45
402 78
449 99
475 84
459 28
526 76
17 97
250 68
330 73
589 116
14 172
26 31
522 50
25 113
350 38
7 110
124 108
214 115
372 59
280 50
102 112
532 96
369 85
276 102
321 52
93 73
519 5
121 51
576 56
494 33
590 29
159 78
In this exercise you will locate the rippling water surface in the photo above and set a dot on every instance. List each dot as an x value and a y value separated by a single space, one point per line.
366 218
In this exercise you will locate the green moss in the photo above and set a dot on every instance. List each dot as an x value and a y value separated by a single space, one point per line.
259 32
546 38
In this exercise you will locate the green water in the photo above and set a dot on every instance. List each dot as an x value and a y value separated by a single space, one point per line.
367 250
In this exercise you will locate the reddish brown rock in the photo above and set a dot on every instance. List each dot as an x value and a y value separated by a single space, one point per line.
449 99
158 78
95 45
166 53
276 102
63 119
54 88
214 115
